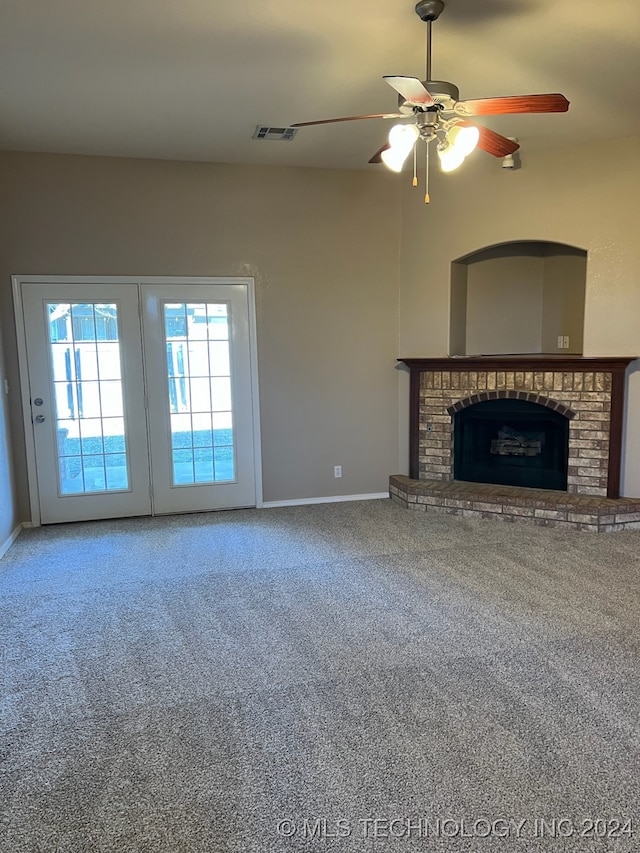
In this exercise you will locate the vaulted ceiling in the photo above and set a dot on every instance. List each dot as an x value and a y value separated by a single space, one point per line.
190 80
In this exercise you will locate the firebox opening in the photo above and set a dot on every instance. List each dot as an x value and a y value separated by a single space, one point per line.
511 443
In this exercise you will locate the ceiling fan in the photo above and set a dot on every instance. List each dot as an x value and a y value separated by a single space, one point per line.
438 114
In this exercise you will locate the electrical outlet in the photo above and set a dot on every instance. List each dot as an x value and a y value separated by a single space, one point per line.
566 342
560 342
337 470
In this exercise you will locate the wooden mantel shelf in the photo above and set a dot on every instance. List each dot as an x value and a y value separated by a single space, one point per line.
520 361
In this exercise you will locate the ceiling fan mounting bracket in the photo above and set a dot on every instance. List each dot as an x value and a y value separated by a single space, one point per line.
429 10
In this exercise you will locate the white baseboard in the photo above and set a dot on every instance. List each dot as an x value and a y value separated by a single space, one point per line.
326 500
10 540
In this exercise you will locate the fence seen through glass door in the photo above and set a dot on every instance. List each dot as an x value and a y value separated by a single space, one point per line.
199 385
86 367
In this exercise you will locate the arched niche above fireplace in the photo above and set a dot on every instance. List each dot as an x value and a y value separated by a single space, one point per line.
518 297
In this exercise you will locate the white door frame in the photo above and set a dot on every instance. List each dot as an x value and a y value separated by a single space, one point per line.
18 280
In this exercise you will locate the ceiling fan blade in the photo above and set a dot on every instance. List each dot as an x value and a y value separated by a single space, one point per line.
513 104
377 157
347 118
492 142
411 90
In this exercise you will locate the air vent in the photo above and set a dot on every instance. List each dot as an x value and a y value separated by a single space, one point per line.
284 134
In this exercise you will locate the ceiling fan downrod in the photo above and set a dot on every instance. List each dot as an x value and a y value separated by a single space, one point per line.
429 11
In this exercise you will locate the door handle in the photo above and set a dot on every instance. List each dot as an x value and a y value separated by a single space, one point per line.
39 419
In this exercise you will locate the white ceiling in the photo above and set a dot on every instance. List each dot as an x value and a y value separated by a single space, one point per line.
190 80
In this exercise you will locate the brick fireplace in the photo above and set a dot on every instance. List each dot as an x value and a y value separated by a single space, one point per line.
588 392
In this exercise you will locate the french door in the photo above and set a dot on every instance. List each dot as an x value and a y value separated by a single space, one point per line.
140 397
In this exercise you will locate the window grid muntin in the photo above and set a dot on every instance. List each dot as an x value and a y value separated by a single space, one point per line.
102 475
181 391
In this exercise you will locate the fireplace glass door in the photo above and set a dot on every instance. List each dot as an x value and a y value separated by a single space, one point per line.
511 442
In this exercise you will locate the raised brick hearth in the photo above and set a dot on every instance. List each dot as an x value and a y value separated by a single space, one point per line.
513 503
588 391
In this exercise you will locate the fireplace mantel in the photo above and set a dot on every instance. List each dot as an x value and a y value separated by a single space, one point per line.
532 361
595 384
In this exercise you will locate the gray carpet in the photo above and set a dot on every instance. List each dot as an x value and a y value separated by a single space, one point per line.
345 677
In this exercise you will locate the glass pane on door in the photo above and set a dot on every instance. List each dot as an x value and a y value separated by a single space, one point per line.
199 384
85 362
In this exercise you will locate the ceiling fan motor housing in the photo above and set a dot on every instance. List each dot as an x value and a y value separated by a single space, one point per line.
443 93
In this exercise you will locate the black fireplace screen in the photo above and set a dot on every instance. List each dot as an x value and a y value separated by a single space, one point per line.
511 442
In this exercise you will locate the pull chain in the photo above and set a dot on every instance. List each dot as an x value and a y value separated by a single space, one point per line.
427 198
415 165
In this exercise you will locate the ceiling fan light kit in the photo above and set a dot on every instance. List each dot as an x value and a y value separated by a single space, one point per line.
464 139
402 139
439 114
458 143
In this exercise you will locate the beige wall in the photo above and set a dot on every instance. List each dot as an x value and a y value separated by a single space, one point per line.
504 305
563 302
585 198
458 307
323 248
